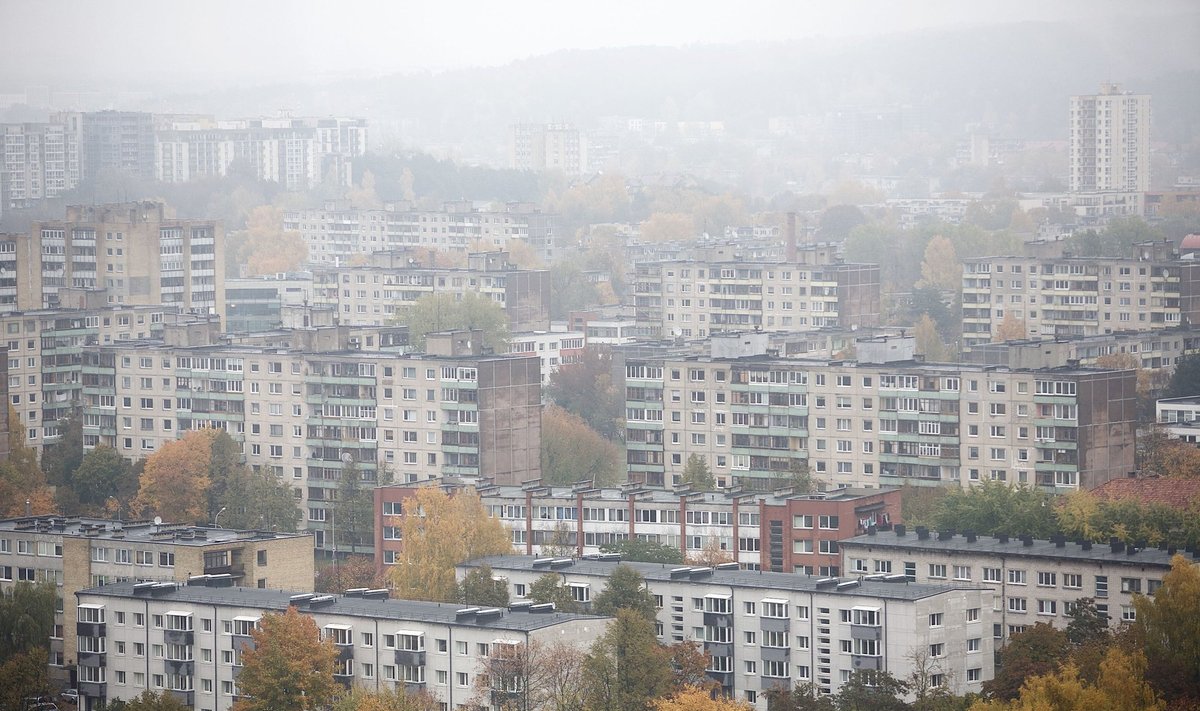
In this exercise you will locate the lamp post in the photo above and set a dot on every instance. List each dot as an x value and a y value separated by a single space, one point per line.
217 518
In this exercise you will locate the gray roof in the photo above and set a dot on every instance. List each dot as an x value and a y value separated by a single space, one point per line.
790 582
1098 553
137 531
375 609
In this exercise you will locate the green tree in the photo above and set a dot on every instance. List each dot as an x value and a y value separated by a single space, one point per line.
802 697
625 590
1185 380
26 618
1039 650
1170 626
799 478
445 312
153 701
102 475
626 669
872 691
573 452
353 510
570 290
586 389
440 532
479 587
226 468
697 475
644 552
993 507
549 587
398 699
1087 624
838 221
61 459
24 676
288 667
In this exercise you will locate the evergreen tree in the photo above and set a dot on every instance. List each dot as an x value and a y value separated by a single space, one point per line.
625 590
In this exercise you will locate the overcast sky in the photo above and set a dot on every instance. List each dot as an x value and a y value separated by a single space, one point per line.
81 44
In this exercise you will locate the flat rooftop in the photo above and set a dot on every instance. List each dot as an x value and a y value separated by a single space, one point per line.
137 531
1050 550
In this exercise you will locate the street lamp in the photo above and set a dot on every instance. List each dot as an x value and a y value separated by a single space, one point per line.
217 518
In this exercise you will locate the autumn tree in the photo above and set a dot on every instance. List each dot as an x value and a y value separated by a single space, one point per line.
266 247
710 554
697 475
940 268
150 701
21 479
626 669
364 195
1169 623
1010 328
929 342
480 588
24 676
549 588
1160 453
573 452
440 532
993 507
289 666
695 699
668 227
1121 686
446 312
398 699
175 483
353 571
1038 650
531 677
625 590
586 389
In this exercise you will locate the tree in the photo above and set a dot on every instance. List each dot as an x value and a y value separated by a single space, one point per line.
153 701
799 478
289 666
266 247
446 312
479 588
689 666
175 482
994 507
872 691
24 676
626 669
1087 624
1171 628
668 227
103 474
919 504
1011 328
26 618
364 196
940 268
586 389
226 469
694 699
353 571
644 552
929 343
531 677
838 221
440 532
21 479
398 699
570 290
1185 380
1038 650
573 452
549 587
625 590
1160 453
61 459
697 475
1121 686
802 697
353 509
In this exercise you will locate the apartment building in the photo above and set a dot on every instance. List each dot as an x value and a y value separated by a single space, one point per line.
392 279
1180 416
552 348
188 640
1110 141
1158 351
80 553
295 152
1033 580
40 160
1076 296
137 253
256 304
885 419
114 142
781 531
722 291
305 416
337 232
551 146
764 631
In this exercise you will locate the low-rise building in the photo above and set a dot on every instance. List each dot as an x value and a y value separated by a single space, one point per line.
80 553
1180 416
188 640
762 631
1034 580
552 348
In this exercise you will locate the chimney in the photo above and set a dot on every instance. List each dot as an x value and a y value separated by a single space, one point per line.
1086 545
945 535
1116 545
1060 541
900 529
922 533
971 537
1027 540
792 252
871 530
1003 537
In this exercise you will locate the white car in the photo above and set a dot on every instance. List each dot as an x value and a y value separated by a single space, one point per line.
70 695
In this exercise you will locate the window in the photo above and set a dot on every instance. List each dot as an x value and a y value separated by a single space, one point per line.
1017 604
991 575
1047 607
935 620
1016 577
937 570
973 644
1131 585
775 608
1046 580
937 650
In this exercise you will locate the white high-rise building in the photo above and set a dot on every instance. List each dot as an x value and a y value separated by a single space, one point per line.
1110 141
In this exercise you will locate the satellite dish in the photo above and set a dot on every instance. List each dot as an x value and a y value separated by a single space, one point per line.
158 520
347 457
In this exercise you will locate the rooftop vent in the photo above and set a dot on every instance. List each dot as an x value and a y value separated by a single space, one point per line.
562 562
826 582
895 578
376 594
542 562
679 572
143 588
490 613
728 566
465 612
354 592
700 572
847 584
542 607
900 529
301 599
521 606
321 600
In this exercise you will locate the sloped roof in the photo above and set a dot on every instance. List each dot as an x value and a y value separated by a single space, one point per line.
1178 493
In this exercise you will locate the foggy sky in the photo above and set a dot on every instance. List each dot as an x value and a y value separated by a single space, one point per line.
81 44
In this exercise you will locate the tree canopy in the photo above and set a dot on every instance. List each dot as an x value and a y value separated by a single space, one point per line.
175 482
573 452
994 507
697 475
288 667
480 588
625 590
445 312
586 389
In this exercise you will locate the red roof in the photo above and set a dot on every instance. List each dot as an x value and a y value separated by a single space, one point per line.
1191 242
1175 492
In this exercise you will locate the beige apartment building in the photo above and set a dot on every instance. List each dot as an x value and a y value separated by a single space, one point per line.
76 554
885 419
136 253
719 291
1110 141
1033 580
1076 296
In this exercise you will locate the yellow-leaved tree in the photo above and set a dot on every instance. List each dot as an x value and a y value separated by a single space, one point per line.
440 531
1121 686
268 248
175 482
696 699
1010 328
940 268
289 666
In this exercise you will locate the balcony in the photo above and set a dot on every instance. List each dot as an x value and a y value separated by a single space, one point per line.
718 649
776 654
345 651
92 689
182 667
864 632
242 642
773 624
91 659
406 658
187 698
725 679
718 619
861 663
770 682
90 629
184 637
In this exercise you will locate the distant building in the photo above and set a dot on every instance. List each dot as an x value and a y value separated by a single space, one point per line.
114 142
1110 142
1180 416
552 348
40 160
552 146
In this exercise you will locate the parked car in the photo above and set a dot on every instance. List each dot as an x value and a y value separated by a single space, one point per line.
70 695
